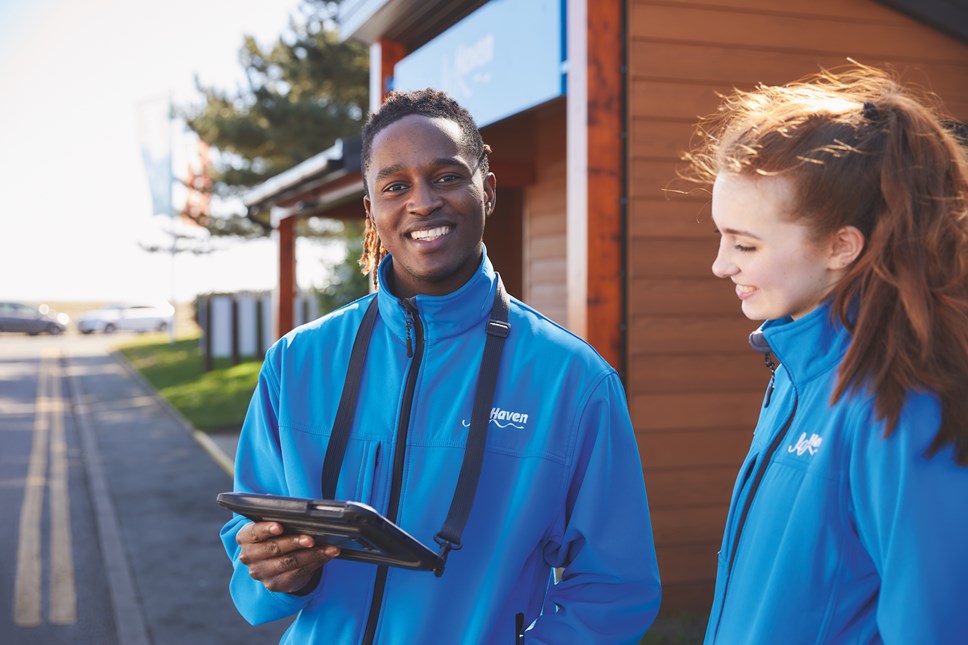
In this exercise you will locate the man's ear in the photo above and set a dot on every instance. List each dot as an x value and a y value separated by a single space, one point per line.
845 247
366 207
490 193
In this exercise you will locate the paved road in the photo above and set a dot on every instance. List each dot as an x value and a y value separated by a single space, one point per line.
111 527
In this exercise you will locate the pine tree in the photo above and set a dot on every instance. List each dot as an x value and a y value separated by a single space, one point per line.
301 95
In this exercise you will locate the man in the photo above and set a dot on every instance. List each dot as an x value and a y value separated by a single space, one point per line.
561 483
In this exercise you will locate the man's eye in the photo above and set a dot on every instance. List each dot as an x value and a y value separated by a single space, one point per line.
744 249
448 178
394 187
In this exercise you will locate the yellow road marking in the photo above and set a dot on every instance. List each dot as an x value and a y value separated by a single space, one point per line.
27 585
49 437
63 594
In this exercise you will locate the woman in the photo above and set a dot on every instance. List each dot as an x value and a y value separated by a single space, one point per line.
841 202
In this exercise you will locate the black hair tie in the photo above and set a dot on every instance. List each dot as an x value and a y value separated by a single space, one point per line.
871 113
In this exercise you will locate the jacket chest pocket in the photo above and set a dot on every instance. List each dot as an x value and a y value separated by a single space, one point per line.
367 476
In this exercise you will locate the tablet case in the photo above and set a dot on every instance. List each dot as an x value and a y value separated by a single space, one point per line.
360 532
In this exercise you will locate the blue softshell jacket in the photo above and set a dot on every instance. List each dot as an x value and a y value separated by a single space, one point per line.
561 482
835 533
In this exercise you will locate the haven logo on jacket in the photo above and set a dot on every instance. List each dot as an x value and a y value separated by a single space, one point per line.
803 444
504 418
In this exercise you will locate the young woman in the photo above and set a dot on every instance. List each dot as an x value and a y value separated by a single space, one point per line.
841 202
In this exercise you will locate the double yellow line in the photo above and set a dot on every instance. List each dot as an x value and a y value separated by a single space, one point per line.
47 471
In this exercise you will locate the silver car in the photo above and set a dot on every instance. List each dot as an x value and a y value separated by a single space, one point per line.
27 319
127 317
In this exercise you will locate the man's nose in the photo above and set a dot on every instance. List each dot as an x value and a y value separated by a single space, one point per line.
424 200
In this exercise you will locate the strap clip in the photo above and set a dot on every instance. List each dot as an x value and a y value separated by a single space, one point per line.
498 328
446 546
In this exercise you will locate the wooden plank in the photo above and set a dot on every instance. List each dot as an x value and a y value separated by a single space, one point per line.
550 247
654 178
551 222
717 445
677 216
504 237
740 66
661 139
668 99
687 563
863 10
689 602
672 257
548 272
550 301
784 32
549 194
674 99
703 524
681 296
707 372
698 411
673 488
662 334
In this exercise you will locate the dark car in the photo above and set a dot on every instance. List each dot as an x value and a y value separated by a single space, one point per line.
18 317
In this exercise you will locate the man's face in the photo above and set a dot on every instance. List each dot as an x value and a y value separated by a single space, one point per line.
428 202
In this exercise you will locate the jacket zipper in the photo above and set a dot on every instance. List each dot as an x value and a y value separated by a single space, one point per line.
767 458
399 454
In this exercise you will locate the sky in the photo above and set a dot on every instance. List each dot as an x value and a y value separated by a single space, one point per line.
75 204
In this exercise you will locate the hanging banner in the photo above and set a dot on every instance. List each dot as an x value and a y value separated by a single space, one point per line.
154 135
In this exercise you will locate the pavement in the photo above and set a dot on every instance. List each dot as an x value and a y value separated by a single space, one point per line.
162 477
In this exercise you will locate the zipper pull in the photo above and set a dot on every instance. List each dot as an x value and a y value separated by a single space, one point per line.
408 318
409 344
768 359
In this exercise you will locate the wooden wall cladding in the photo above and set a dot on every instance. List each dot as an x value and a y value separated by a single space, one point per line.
694 385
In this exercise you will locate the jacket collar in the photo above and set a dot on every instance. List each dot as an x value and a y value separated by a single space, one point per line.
441 316
807 347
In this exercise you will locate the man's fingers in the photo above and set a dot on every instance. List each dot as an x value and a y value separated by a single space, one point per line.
255 532
288 571
273 548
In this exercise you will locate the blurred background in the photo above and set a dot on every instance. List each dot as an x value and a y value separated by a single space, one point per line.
98 162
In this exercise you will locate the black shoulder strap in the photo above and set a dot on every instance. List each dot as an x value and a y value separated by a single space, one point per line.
498 329
336 449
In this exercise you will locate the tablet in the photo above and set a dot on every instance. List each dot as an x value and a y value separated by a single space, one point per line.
360 532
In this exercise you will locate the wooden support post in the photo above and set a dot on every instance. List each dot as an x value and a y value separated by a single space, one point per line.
595 229
286 231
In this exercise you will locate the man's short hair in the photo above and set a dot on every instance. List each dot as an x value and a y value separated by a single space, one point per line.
430 103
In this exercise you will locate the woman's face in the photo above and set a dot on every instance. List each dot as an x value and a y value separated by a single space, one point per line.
428 201
770 257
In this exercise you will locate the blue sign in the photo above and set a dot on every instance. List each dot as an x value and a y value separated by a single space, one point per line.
504 58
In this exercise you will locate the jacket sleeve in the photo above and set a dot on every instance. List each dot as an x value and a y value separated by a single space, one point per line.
609 590
911 513
258 469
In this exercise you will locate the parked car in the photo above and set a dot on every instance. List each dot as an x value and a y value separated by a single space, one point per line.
20 317
127 317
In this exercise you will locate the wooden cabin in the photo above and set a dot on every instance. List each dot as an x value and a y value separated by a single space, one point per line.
586 230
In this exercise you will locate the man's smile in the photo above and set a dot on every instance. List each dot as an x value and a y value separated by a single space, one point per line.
429 234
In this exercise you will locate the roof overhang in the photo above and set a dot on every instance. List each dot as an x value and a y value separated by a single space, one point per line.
949 16
408 22
337 166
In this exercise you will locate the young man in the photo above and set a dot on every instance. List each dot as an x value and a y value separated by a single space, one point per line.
561 483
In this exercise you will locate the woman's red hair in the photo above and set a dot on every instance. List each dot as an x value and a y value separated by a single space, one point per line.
865 152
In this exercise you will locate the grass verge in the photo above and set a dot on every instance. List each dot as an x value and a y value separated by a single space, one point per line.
213 401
